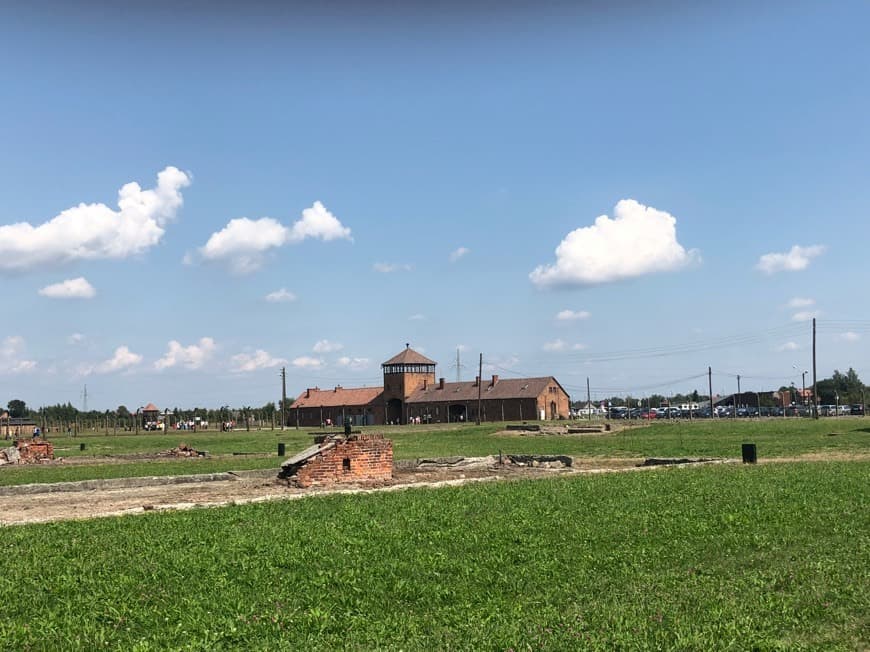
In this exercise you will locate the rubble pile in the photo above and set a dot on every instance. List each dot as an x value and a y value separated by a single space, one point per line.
32 451
183 450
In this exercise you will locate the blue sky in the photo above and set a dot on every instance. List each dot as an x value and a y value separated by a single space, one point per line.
419 169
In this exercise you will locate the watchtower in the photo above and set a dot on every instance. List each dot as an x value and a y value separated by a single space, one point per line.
403 374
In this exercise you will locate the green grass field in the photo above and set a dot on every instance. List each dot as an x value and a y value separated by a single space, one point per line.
773 437
726 557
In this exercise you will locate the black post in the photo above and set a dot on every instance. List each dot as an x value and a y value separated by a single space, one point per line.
281 449
749 454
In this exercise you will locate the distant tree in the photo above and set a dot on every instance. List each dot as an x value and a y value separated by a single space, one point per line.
122 412
845 388
17 408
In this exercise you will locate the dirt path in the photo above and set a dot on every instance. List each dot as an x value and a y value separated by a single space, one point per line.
260 486
250 487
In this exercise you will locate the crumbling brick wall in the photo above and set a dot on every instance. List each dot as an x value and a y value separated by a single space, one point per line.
27 452
359 458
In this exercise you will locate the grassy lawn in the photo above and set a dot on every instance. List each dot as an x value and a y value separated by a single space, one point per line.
773 437
723 557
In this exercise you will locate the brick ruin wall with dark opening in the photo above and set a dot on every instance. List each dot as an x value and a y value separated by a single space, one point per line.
361 458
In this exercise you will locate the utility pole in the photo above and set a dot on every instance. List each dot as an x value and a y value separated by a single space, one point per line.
479 386
283 397
738 396
815 396
710 385
588 400
85 399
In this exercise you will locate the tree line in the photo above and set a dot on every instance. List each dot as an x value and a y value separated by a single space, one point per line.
63 416
843 388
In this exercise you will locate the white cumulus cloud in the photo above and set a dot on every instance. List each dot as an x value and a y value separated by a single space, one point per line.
193 356
353 363
317 222
12 349
95 231
800 302
260 359
794 260
572 315
123 359
75 338
459 253
561 345
417 317
388 268
850 336
307 362
639 240
243 243
788 346
805 315
74 288
325 346
280 296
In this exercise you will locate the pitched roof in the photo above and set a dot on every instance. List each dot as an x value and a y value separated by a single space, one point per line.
409 356
151 408
504 388
338 397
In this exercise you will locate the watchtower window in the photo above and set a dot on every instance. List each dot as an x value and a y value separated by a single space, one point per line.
345 465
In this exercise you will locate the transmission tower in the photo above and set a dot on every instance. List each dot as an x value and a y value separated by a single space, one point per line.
458 365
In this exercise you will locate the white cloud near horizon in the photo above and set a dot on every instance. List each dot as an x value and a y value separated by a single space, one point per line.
280 296
561 345
260 359
122 359
572 315
307 362
458 253
95 231
499 364
788 346
800 302
73 288
325 346
12 359
639 240
193 356
794 260
805 315
243 243
389 268
355 364
849 336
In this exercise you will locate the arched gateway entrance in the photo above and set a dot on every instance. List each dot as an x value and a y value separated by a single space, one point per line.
394 411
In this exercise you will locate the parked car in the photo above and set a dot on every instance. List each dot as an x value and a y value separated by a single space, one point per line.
857 410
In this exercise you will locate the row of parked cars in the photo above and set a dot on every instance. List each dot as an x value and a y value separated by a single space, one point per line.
727 411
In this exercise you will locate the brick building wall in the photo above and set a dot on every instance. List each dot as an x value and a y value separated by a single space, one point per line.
554 403
360 458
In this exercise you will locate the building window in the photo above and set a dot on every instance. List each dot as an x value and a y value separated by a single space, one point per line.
345 465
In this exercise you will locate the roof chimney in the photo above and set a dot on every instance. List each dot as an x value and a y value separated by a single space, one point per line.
425 383
476 381
337 387
494 379
440 383
308 392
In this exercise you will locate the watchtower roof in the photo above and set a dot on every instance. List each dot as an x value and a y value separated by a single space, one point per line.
409 356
